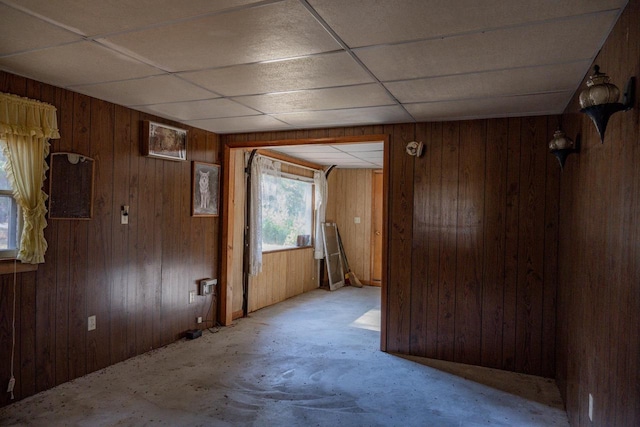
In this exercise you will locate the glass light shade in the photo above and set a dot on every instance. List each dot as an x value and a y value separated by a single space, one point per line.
599 91
560 141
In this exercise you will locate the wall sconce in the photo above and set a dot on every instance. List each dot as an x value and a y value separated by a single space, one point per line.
415 148
561 146
600 99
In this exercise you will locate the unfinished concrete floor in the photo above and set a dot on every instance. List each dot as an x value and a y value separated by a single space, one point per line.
312 360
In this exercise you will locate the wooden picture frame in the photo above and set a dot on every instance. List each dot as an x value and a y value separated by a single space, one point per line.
205 189
163 141
70 186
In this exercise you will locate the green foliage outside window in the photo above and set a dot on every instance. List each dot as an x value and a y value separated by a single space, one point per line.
287 211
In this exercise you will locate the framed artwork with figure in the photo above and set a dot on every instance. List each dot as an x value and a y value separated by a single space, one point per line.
163 141
205 184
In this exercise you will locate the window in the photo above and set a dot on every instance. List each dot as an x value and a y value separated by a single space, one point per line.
287 212
9 218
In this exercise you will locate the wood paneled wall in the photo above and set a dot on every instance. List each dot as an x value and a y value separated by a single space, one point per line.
473 232
350 195
472 240
285 274
135 278
599 251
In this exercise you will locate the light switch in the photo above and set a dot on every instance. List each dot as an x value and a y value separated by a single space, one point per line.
356 220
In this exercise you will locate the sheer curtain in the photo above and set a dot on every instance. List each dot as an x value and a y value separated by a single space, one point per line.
25 129
320 182
259 167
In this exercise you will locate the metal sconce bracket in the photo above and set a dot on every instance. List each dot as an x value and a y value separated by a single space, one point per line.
600 114
563 153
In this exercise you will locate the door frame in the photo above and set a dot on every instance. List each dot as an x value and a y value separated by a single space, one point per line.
373 228
228 185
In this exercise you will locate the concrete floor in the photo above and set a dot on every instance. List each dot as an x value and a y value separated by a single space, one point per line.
310 361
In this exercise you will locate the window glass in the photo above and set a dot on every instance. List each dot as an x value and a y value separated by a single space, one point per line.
287 213
8 215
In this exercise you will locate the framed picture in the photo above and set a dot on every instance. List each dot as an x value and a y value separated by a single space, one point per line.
163 141
205 184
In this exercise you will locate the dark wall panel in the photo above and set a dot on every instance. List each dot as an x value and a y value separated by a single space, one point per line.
135 278
598 340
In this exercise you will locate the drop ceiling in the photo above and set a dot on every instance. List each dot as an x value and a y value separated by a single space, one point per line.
234 66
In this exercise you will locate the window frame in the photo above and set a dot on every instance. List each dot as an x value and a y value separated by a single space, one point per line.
307 180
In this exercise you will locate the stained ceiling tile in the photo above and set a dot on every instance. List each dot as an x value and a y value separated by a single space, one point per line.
273 31
76 64
547 43
319 99
148 90
311 72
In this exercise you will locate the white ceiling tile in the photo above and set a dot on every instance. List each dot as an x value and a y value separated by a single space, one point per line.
76 64
355 116
307 149
342 155
370 22
203 109
362 147
333 156
552 78
20 32
358 167
101 17
240 124
317 71
148 90
553 103
273 31
319 99
547 43
278 57
367 155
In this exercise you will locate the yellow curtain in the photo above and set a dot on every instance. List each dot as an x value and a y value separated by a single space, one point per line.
25 129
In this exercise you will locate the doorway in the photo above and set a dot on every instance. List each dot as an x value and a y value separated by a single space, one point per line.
231 250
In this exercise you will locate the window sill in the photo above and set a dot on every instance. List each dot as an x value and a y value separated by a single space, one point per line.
292 248
6 267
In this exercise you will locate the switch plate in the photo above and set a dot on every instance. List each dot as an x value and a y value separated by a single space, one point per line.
124 215
356 220
192 297
91 323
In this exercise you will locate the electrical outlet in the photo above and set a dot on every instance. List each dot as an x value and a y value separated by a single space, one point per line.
590 407
192 297
199 319
91 323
